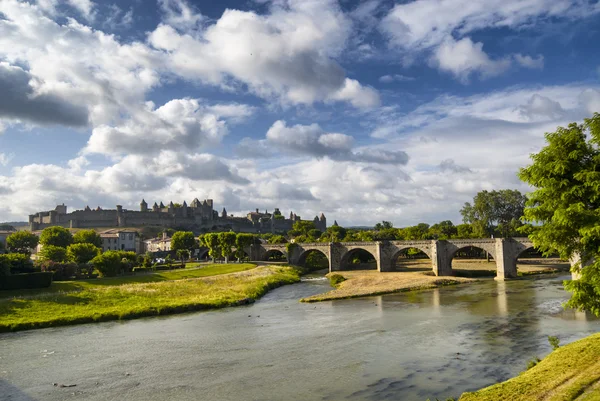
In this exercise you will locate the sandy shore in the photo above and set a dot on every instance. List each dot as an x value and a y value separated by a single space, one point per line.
416 275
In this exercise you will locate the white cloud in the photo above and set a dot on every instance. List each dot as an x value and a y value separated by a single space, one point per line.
179 14
5 158
313 141
287 55
180 125
443 26
388 79
463 58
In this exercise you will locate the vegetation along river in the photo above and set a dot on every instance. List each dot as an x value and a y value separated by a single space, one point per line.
409 346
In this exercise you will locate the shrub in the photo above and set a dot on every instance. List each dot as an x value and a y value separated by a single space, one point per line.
17 263
531 363
112 263
336 279
61 270
26 281
82 252
57 236
53 253
554 342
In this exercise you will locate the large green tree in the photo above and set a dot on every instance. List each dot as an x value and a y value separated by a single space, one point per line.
211 241
22 242
243 241
566 203
82 252
53 253
495 211
226 243
183 240
88 237
57 236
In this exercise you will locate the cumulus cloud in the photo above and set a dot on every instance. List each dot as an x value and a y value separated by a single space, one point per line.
313 141
450 165
5 158
410 28
541 106
288 54
21 101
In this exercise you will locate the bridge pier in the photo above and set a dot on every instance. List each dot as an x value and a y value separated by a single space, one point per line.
384 262
441 261
507 253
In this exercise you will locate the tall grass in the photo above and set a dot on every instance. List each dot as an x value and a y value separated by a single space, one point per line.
132 300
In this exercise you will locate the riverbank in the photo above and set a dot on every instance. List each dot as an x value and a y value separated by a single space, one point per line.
87 302
572 372
365 283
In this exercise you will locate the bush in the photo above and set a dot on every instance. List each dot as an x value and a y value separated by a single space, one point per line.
112 263
554 342
17 263
53 253
82 252
26 281
336 279
61 270
531 363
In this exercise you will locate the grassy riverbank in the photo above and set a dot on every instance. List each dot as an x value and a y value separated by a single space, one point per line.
570 373
364 283
152 294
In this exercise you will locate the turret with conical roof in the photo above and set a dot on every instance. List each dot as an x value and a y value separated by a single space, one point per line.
155 207
143 206
162 205
224 213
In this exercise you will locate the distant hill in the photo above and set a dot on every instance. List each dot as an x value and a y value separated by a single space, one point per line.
17 225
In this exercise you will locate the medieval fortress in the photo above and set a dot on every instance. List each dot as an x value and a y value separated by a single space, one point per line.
197 217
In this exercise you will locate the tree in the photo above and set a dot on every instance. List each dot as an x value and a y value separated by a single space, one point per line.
183 240
22 242
277 239
464 231
384 225
53 253
243 241
496 209
82 252
226 243
211 241
183 254
88 237
301 227
566 204
443 230
108 264
57 236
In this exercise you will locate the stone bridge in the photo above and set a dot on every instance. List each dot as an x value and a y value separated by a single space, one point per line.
504 251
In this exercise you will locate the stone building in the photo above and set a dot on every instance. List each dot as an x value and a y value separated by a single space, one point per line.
121 240
198 217
162 244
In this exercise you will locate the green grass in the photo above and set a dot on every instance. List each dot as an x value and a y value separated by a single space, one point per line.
572 372
180 274
132 300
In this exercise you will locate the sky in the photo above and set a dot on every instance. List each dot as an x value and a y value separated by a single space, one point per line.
363 110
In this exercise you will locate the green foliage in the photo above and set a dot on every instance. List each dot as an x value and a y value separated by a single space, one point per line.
183 240
82 252
503 208
54 253
384 225
111 263
26 281
211 241
243 241
61 270
554 342
443 230
316 260
334 233
226 243
16 263
22 242
336 279
56 236
532 362
301 227
277 239
87 237
464 231
566 203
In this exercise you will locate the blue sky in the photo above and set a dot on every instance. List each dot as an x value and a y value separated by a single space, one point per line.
364 110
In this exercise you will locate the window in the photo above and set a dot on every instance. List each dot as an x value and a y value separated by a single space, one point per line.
130 237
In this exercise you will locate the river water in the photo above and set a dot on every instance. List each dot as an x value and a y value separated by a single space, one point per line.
409 346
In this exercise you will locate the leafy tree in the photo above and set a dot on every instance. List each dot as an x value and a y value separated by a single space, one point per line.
211 241
53 253
334 233
243 241
22 242
108 264
169 261
503 209
566 204
384 225
183 240
88 237
182 255
418 232
277 239
464 231
56 236
443 230
301 227
82 252
226 243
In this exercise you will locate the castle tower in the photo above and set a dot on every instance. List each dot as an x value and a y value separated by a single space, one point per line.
155 207
323 222
291 216
171 207
184 209
143 206
335 224
224 213
162 205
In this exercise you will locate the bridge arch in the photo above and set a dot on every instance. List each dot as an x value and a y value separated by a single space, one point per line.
358 259
403 250
314 258
275 254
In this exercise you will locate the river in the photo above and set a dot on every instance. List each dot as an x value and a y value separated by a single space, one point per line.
409 346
